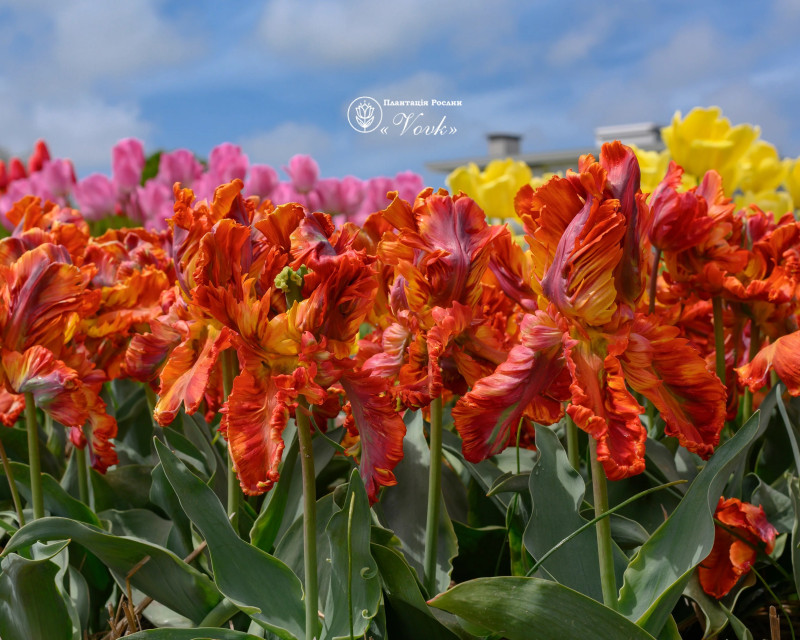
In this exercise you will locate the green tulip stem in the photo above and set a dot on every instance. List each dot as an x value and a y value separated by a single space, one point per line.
434 498
594 521
82 470
12 485
37 497
755 343
309 519
605 551
230 366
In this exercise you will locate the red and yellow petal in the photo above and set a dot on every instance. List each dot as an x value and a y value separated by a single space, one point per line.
253 421
56 388
186 373
371 413
489 415
735 546
670 372
604 408
782 355
11 406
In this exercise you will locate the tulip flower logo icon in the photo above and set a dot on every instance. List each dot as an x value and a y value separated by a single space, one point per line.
364 114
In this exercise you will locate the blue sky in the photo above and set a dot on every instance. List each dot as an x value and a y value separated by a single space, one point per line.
277 77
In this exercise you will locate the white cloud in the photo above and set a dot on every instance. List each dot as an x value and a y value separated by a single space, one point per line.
113 39
276 146
84 129
361 33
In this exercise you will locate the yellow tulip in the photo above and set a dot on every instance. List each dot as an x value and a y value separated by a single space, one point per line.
705 140
653 166
761 168
494 188
778 202
792 180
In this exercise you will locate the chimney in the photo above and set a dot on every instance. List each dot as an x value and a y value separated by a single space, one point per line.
646 135
503 144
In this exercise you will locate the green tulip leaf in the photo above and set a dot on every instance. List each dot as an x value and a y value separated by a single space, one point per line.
404 506
164 577
241 570
658 573
355 591
31 605
520 608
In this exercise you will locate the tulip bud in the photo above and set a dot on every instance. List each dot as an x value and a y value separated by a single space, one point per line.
40 155
127 163
303 171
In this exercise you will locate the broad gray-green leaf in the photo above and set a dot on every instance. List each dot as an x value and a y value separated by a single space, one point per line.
56 500
31 605
240 569
410 615
125 487
510 482
794 490
658 573
290 548
557 491
716 614
164 577
264 532
355 591
163 495
777 505
404 506
191 634
138 523
521 608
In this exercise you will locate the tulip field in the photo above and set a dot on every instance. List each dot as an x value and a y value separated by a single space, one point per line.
240 406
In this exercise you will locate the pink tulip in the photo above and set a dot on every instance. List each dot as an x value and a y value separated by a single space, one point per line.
179 166
329 191
227 162
408 184
95 196
262 181
127 163
58 177
352 194
304 171
156 203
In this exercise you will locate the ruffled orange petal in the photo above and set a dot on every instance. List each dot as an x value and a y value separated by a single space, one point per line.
56 388
186 373
11 406
103 428
581 280
784 356
680 219
371 413
670 372
622 182
604 408
489 415
42 296
147 352
253 421
735 551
